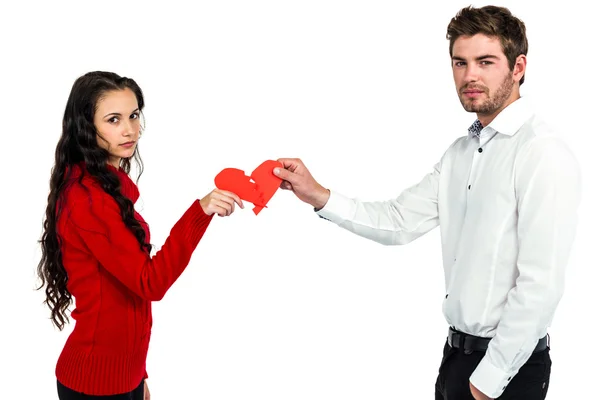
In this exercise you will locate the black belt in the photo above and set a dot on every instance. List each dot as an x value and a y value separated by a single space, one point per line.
475 343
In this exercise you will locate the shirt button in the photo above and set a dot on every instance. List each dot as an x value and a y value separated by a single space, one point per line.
469 187
446 295
480 150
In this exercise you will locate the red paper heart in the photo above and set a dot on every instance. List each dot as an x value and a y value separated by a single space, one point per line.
257 188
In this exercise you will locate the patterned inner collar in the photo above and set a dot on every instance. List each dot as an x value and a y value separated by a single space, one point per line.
475 128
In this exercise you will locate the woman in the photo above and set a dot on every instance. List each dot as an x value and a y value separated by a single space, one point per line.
95 246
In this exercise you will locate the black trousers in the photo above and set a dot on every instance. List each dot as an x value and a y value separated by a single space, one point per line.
531 382
64 393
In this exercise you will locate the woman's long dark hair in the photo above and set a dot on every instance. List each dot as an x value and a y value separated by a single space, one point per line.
77 145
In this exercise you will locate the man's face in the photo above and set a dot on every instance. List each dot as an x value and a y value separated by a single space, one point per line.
484 81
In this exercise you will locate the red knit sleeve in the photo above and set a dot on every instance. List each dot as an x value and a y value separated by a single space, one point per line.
97 222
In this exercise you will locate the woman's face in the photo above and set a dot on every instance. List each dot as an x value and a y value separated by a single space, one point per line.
117 121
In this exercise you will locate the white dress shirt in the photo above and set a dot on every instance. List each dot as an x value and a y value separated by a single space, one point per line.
506 202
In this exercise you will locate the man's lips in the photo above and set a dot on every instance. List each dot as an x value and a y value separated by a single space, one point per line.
472 92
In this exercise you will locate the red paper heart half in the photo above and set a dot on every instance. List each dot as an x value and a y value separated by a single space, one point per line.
258 188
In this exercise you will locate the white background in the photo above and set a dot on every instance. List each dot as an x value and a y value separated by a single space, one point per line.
282 305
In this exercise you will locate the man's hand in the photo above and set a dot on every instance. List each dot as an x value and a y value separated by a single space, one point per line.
477 395
146 390
298 179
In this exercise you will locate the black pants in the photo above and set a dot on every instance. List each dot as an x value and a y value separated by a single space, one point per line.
531 382
64 393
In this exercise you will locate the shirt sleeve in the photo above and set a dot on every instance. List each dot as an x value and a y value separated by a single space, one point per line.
394 222
548 192
98 224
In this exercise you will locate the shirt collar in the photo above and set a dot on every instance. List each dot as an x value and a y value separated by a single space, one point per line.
475 129
508 121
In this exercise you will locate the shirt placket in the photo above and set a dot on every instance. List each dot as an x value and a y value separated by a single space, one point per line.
482 136
474 165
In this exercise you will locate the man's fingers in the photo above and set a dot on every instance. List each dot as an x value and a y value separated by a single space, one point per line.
288 163
286 175
286 185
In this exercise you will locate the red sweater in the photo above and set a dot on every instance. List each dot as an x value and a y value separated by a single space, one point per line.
113 282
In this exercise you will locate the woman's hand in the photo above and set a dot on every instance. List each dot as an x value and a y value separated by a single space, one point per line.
220 202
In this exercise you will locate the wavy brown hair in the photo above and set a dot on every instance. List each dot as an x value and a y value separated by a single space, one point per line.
491 21
77 145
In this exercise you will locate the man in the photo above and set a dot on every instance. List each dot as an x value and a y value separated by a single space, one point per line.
505 197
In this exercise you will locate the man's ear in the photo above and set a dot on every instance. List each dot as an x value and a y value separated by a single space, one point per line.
519 68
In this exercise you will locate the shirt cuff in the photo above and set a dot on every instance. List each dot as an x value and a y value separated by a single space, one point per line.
338 208
489 379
